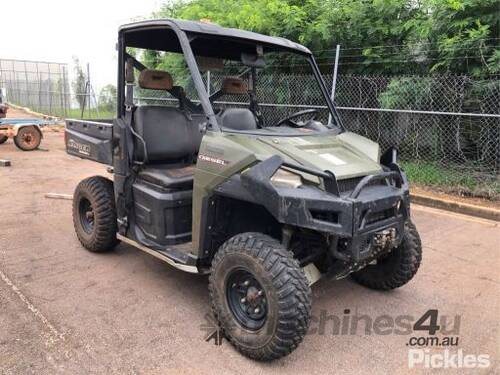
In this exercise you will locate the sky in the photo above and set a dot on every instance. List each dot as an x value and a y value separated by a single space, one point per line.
56 30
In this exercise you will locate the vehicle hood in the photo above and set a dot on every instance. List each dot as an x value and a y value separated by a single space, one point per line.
346 155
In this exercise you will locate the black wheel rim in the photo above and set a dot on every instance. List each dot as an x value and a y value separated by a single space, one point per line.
86 215
246 299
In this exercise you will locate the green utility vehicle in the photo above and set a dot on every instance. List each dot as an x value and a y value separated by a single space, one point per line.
223 166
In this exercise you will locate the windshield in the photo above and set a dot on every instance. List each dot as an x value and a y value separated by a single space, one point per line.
251 87
282 94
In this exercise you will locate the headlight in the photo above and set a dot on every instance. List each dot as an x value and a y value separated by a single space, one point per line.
284 178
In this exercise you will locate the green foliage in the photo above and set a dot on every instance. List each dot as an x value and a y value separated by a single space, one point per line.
423 36
450 180
428 173
406 92
78 83
386 37
464 34
107 98
90 113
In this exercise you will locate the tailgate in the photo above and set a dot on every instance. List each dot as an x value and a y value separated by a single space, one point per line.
90 140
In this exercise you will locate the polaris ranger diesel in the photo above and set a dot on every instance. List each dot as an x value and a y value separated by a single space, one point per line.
220 166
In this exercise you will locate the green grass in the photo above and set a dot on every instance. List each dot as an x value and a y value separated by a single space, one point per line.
92 114
76 113
458 179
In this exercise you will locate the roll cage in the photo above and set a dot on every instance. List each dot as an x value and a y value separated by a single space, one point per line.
182 37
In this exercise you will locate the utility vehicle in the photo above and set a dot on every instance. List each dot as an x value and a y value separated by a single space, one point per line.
220 168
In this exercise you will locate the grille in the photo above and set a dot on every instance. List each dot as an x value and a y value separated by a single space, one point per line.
381 215
349 184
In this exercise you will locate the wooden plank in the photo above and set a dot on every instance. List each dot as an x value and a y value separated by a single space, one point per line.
59 196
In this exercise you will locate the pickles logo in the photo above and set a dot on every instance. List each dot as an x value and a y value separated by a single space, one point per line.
79 147
425 351
446 359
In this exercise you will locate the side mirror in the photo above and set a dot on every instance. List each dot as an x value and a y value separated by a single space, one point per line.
390 156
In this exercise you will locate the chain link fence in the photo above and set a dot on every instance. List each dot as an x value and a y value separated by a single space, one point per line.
41 86
447 127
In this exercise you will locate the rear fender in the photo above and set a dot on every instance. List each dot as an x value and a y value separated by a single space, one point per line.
17 127
12 130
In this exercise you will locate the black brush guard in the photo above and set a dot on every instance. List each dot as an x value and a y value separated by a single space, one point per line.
378 202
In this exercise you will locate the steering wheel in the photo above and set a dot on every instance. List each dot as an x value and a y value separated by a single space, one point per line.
294 124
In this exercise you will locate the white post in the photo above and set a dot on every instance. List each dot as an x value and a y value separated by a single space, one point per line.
334 79
208 82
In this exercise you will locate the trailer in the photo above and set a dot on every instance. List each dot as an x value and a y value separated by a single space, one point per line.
26 132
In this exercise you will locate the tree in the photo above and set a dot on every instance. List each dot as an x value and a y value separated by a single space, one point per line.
464 35
107 98
78 83
318 24
377 36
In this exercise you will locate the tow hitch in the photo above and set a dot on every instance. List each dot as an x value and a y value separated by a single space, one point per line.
385 240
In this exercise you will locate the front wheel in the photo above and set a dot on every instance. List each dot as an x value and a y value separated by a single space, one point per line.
28 138
398 267
94 214
260 296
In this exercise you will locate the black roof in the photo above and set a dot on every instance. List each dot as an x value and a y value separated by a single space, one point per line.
214 30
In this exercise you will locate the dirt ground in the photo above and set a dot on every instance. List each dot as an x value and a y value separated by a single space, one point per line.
19 113
66 310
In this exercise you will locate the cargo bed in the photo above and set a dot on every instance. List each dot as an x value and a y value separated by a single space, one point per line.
90 139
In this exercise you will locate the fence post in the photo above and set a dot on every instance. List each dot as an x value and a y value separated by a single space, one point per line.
39 88
334 79
65 98
3 83
208 82
49 91
88 92
27 92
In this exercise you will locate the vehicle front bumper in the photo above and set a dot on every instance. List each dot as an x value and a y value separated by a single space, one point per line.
356 217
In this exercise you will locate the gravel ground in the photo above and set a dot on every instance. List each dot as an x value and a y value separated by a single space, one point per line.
63 309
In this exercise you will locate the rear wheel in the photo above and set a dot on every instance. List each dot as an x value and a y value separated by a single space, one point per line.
3 139
398 267
94 214
260 296
28 138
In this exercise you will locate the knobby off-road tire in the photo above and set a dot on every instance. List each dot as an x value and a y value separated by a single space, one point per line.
398 267
28 138
94 214
285 296
3 139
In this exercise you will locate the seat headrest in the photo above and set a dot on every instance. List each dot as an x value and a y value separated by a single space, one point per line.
155 80
234 86
238 119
